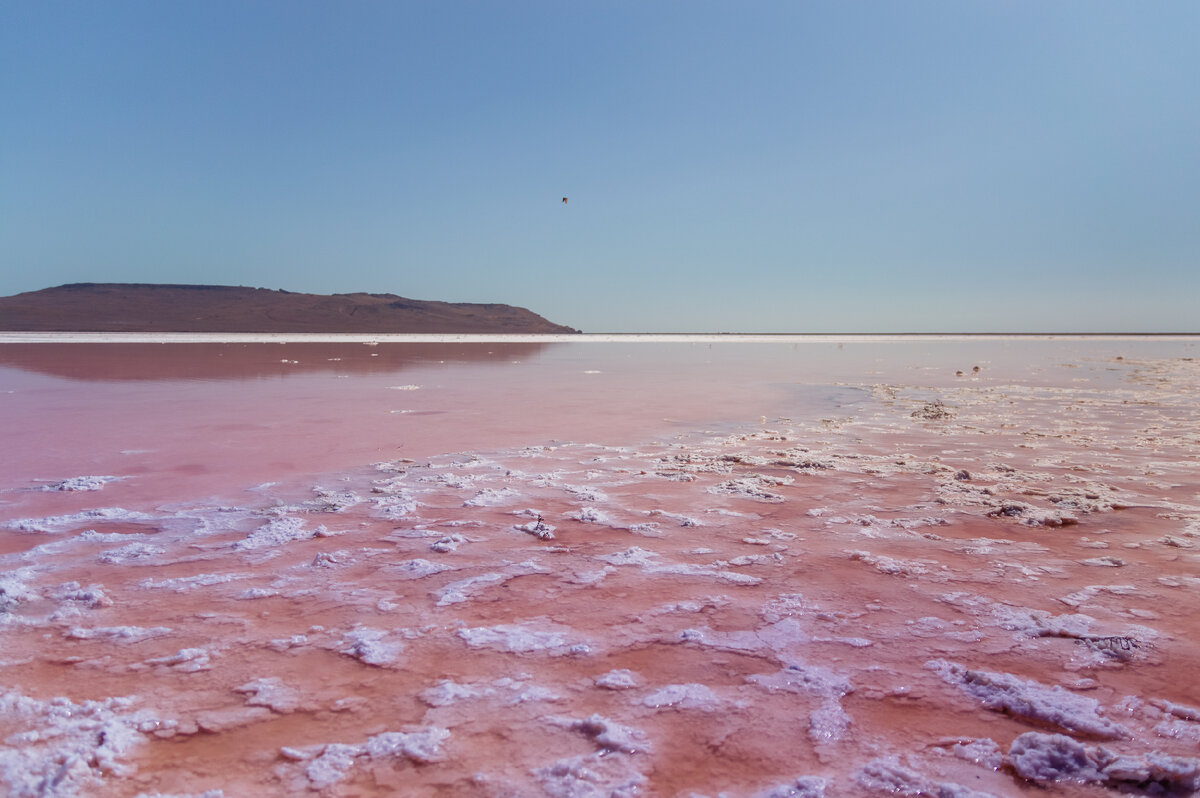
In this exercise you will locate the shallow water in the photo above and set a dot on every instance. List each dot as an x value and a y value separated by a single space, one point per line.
597 568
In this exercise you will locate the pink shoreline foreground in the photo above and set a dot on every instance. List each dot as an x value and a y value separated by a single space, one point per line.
600 570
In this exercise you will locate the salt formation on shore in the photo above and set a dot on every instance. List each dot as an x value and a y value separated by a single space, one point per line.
981 589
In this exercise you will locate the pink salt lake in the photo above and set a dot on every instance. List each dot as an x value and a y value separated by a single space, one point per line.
600 569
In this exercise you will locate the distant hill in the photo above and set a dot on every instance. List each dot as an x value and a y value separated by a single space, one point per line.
138 307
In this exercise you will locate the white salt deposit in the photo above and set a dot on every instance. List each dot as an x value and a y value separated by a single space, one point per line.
607 734
183 584
591 515
886 776
376 647
539 635
417 569
422 745
1049 758
598 775
683 696
118 634
81 483
803 787
447 692
447 543
1027 699
493 497
14 588
60 523
276 532
185 660
539 529
272 693
465 589
130 552
68 747
620 679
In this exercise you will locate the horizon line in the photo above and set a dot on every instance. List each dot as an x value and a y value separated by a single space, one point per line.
34 337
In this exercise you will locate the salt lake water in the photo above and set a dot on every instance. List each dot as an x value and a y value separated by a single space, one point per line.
571 566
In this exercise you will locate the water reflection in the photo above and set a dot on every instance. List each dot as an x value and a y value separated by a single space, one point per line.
220 361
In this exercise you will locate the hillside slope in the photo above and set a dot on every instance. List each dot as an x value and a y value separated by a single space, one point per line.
137 307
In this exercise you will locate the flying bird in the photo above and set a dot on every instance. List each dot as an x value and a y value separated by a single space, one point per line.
564 200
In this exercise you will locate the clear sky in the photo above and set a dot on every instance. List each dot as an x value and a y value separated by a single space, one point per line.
798 166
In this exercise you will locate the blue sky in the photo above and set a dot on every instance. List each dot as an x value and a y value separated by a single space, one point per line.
736 166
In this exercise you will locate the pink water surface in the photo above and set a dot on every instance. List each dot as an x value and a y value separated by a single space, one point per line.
598 569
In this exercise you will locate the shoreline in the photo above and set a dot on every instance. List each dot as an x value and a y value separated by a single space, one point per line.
491 338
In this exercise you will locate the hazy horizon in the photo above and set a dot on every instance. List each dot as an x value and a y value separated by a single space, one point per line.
771 167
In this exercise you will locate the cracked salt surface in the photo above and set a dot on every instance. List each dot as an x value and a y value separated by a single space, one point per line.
848 600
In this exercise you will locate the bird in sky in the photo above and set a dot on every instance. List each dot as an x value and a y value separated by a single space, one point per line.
564 200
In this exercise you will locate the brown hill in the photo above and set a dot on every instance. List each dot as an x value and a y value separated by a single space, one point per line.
137 307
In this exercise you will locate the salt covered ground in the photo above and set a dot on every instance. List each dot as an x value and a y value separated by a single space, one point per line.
594 569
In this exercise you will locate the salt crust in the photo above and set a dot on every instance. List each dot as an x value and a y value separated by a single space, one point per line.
417 569
584 493
395 507
537 635
331 501
328 764
130 553
752 486
539 529
650 562
185 660
183 584
887 776
621 679
1030 700
69 748
684 696
466 589
678 518
591 515
828 722
371 647
118 634
929 569
14 589
279 531
272 693
608 734
252 593
509 691
59 523
597 775
447 543
81 483
803 787
1049 758
1120 643
493 497
984 752
93 596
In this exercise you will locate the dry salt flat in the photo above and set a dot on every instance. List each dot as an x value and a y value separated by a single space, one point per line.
940 581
